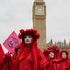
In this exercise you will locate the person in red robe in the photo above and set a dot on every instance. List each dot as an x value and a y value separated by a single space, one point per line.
51 53
63 61
2 55
7 63
28 56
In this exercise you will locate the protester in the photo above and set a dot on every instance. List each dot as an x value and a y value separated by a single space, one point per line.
51 53
63 61
28 56
8 63
2 55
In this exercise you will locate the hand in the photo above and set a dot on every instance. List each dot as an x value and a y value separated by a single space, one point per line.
16 49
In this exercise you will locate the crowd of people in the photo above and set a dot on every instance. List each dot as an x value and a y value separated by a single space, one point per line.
28 56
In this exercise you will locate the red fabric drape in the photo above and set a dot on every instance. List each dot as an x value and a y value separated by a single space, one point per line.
39 61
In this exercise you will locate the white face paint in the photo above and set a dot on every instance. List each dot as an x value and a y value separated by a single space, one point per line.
51 55
64 55
28 39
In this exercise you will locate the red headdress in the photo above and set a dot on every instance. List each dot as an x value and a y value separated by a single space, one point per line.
31 32
55 50
35 49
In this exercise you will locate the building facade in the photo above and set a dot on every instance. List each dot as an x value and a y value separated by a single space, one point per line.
39 21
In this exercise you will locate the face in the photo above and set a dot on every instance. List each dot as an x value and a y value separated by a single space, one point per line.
64 55
51 55
28 39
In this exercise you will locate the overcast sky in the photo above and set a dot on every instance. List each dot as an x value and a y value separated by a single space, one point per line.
17 14
58 20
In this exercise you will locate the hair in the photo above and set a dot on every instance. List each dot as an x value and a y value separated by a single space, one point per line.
31 32
54 49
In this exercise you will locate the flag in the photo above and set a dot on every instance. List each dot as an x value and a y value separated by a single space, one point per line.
1 53
12 42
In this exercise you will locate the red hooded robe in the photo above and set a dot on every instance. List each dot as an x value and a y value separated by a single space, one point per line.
30 57
50 64
8 63
64 64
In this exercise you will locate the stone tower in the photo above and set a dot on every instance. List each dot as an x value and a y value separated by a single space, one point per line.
39 21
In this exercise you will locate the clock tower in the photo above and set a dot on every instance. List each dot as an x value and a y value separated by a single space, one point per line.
39 21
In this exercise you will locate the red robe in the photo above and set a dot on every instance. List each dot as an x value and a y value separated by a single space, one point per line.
8 63
2 55
50 64
30 58
64 64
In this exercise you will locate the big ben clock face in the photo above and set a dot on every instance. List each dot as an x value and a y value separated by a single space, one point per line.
39 10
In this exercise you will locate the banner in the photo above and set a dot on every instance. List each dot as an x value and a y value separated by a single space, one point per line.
11 42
